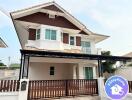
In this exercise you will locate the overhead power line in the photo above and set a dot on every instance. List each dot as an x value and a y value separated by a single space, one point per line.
5 12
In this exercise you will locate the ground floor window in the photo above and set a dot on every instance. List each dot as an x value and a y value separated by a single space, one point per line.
88 72
52 70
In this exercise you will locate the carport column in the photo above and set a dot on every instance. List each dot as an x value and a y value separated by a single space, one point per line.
101 88
23 90
25 67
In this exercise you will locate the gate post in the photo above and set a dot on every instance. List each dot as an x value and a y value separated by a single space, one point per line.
23 89
101 87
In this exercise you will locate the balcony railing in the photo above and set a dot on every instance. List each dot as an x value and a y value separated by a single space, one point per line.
86 50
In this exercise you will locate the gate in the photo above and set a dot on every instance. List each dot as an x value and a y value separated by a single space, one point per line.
61 88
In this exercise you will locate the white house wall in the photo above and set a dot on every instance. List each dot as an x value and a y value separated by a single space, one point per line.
64 68
23 36
41 71
58 44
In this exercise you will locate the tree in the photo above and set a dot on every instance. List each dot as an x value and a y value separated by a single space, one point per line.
14 66
107 65
2 64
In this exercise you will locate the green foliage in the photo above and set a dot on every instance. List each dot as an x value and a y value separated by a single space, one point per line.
3 67
14 66
2 64
130 65
108 64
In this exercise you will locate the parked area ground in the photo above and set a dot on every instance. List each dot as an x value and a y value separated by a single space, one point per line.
77 98
129 97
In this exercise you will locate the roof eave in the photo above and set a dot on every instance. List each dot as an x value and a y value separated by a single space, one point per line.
16 30
102 37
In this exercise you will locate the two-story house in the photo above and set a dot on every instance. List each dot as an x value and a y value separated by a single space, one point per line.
48 27
58 53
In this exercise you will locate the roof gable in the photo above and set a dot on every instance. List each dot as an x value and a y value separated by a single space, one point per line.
43 18
53 7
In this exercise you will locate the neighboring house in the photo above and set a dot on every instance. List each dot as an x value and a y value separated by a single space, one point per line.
125 68
48 27
130 62
2 43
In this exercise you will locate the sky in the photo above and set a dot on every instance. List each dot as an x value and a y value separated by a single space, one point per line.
108 17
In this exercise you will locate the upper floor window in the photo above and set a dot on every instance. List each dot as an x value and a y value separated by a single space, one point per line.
50 34
72 40
37 34
85 44
86 47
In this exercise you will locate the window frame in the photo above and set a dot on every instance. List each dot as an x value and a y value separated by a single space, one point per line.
52 71
86 49
51 34
36 38
74 40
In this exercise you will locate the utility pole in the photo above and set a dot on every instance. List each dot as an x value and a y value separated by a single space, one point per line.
9 61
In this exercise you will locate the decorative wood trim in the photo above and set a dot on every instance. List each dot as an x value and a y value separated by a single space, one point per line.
43 18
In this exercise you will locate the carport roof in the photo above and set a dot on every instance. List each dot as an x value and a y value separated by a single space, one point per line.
33 53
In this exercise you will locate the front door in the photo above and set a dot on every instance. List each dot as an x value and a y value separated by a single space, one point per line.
88 73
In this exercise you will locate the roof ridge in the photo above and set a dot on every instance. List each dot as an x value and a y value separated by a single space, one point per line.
41 4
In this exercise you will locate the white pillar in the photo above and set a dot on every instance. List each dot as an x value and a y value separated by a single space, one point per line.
94 72
101 88
80 71
23 94
74 71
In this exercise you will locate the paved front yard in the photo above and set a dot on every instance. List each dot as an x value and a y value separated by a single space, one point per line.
129 97
77 98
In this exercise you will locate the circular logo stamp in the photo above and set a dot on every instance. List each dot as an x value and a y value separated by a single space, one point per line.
116 87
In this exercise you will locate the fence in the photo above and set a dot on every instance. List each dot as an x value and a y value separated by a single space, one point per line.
9 85
61 88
